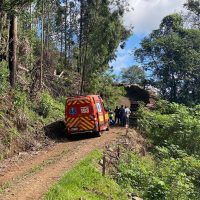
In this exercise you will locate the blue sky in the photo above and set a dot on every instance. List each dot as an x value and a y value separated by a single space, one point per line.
145 17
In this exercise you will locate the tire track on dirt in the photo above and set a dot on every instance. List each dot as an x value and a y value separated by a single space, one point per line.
33 186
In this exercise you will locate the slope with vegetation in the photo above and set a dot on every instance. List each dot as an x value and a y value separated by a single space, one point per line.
50 50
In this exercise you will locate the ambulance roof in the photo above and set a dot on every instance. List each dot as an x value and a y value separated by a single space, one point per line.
84 97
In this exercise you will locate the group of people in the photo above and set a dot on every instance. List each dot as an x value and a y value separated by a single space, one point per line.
121 117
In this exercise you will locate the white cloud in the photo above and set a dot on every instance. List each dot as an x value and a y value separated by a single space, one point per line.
148 14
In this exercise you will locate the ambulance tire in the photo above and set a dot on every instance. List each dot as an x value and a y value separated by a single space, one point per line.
69 136
98 133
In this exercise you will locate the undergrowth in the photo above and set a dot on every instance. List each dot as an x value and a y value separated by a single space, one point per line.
174 123
167 173
171 170
22 119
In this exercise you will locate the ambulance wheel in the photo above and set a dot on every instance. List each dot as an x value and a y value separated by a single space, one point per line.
98 133
69 136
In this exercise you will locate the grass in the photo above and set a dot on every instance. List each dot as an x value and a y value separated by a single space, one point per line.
4 187
86 182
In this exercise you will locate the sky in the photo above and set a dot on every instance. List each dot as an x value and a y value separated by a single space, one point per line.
145 17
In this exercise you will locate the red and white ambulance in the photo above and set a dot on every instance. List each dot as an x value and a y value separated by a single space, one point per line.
86 114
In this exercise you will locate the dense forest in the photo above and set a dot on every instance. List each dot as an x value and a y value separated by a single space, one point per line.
56 45
50 50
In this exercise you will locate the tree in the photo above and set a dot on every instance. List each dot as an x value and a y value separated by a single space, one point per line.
101 32
10 8
133 75
85 34
172 53
193 6
12 56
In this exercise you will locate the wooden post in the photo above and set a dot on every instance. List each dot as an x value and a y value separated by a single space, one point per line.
104 165
118 152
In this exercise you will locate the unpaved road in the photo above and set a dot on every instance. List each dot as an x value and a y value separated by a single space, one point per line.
31 179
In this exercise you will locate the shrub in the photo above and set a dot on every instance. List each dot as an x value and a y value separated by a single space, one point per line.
163 178
181 127
20 99
9 136
49 107
4 73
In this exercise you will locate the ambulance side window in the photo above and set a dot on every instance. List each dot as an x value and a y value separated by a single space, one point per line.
98 105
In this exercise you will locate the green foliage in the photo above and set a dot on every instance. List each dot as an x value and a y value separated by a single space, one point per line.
173 123
20 99
193 6
10 135
103 32
102 84
172 54
86 182
165 107
49 107
3 77
133 75
133 174
162 177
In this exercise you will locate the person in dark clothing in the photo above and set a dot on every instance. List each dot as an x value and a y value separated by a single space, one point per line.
122 116
117 115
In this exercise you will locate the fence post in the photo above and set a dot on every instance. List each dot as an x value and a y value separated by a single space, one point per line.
104 165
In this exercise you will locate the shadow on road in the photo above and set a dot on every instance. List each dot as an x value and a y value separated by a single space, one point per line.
56 131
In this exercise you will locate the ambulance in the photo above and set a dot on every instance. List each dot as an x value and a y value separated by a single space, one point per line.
86 114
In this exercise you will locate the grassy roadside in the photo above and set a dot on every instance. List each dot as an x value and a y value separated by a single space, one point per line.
86 182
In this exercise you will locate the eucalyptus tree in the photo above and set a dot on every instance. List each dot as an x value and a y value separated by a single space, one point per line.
101 32
10 8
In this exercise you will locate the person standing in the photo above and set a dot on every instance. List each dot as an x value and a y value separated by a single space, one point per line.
117 115
127 114
122 115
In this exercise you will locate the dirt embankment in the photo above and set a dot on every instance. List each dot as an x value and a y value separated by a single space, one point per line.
29 176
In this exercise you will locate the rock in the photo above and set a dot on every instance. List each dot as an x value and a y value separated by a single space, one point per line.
137 198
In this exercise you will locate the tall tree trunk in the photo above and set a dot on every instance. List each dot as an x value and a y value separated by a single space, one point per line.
65 33
42 45
84 63
48 26
1 28
12 55
80 38
2 40
61 43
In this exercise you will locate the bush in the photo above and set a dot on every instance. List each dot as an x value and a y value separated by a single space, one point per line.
173 172
49 107
179 126
162 177
20 99
4 73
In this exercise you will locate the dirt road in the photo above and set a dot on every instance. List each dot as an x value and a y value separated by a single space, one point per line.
31 178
